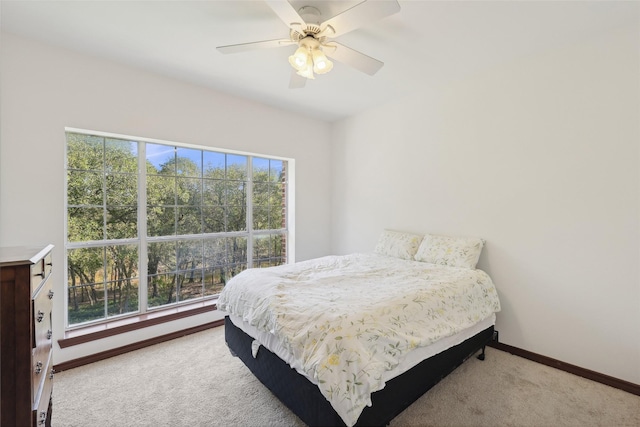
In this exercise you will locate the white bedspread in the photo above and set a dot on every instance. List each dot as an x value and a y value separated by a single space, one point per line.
346 320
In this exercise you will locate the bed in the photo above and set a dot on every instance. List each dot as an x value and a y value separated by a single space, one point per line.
355 339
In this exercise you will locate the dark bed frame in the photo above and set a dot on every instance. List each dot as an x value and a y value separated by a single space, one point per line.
305 400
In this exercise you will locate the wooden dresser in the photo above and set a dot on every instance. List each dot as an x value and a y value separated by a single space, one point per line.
26 364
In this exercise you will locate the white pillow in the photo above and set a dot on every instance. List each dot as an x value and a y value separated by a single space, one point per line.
461 252
398 244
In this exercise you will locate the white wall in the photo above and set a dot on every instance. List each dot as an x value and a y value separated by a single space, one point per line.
45 89
541 158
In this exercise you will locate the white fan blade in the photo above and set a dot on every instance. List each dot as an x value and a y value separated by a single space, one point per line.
243 47
286 13
355 59
296 81
358 15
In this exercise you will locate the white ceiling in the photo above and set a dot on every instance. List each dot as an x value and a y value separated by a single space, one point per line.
426 44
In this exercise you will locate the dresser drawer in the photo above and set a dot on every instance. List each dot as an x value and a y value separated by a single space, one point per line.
41 311
40 270
42 397
41 379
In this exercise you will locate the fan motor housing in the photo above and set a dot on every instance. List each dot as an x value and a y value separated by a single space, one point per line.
311 17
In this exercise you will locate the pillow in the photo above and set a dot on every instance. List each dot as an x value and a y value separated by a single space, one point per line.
461 252
398 244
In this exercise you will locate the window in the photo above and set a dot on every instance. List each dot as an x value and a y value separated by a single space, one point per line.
188 217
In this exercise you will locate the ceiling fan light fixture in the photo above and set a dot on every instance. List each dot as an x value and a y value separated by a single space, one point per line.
309 58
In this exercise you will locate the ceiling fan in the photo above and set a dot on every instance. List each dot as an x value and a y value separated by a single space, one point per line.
314 38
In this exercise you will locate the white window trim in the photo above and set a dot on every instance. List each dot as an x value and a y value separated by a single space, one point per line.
142 238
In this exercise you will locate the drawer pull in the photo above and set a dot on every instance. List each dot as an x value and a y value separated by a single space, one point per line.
50 294
40 316
49 334
38 368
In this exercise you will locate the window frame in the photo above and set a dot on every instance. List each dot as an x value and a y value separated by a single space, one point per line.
142 239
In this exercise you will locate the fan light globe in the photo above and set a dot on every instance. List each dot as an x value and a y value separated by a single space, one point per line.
299 59
321 64
307 70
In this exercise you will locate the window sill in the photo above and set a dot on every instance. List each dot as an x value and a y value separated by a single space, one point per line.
121 326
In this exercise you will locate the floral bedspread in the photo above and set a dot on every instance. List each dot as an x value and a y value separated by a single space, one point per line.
348 319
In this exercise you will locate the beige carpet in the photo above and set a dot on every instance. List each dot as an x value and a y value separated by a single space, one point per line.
193 381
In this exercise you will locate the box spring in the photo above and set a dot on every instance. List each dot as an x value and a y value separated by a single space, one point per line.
305 400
